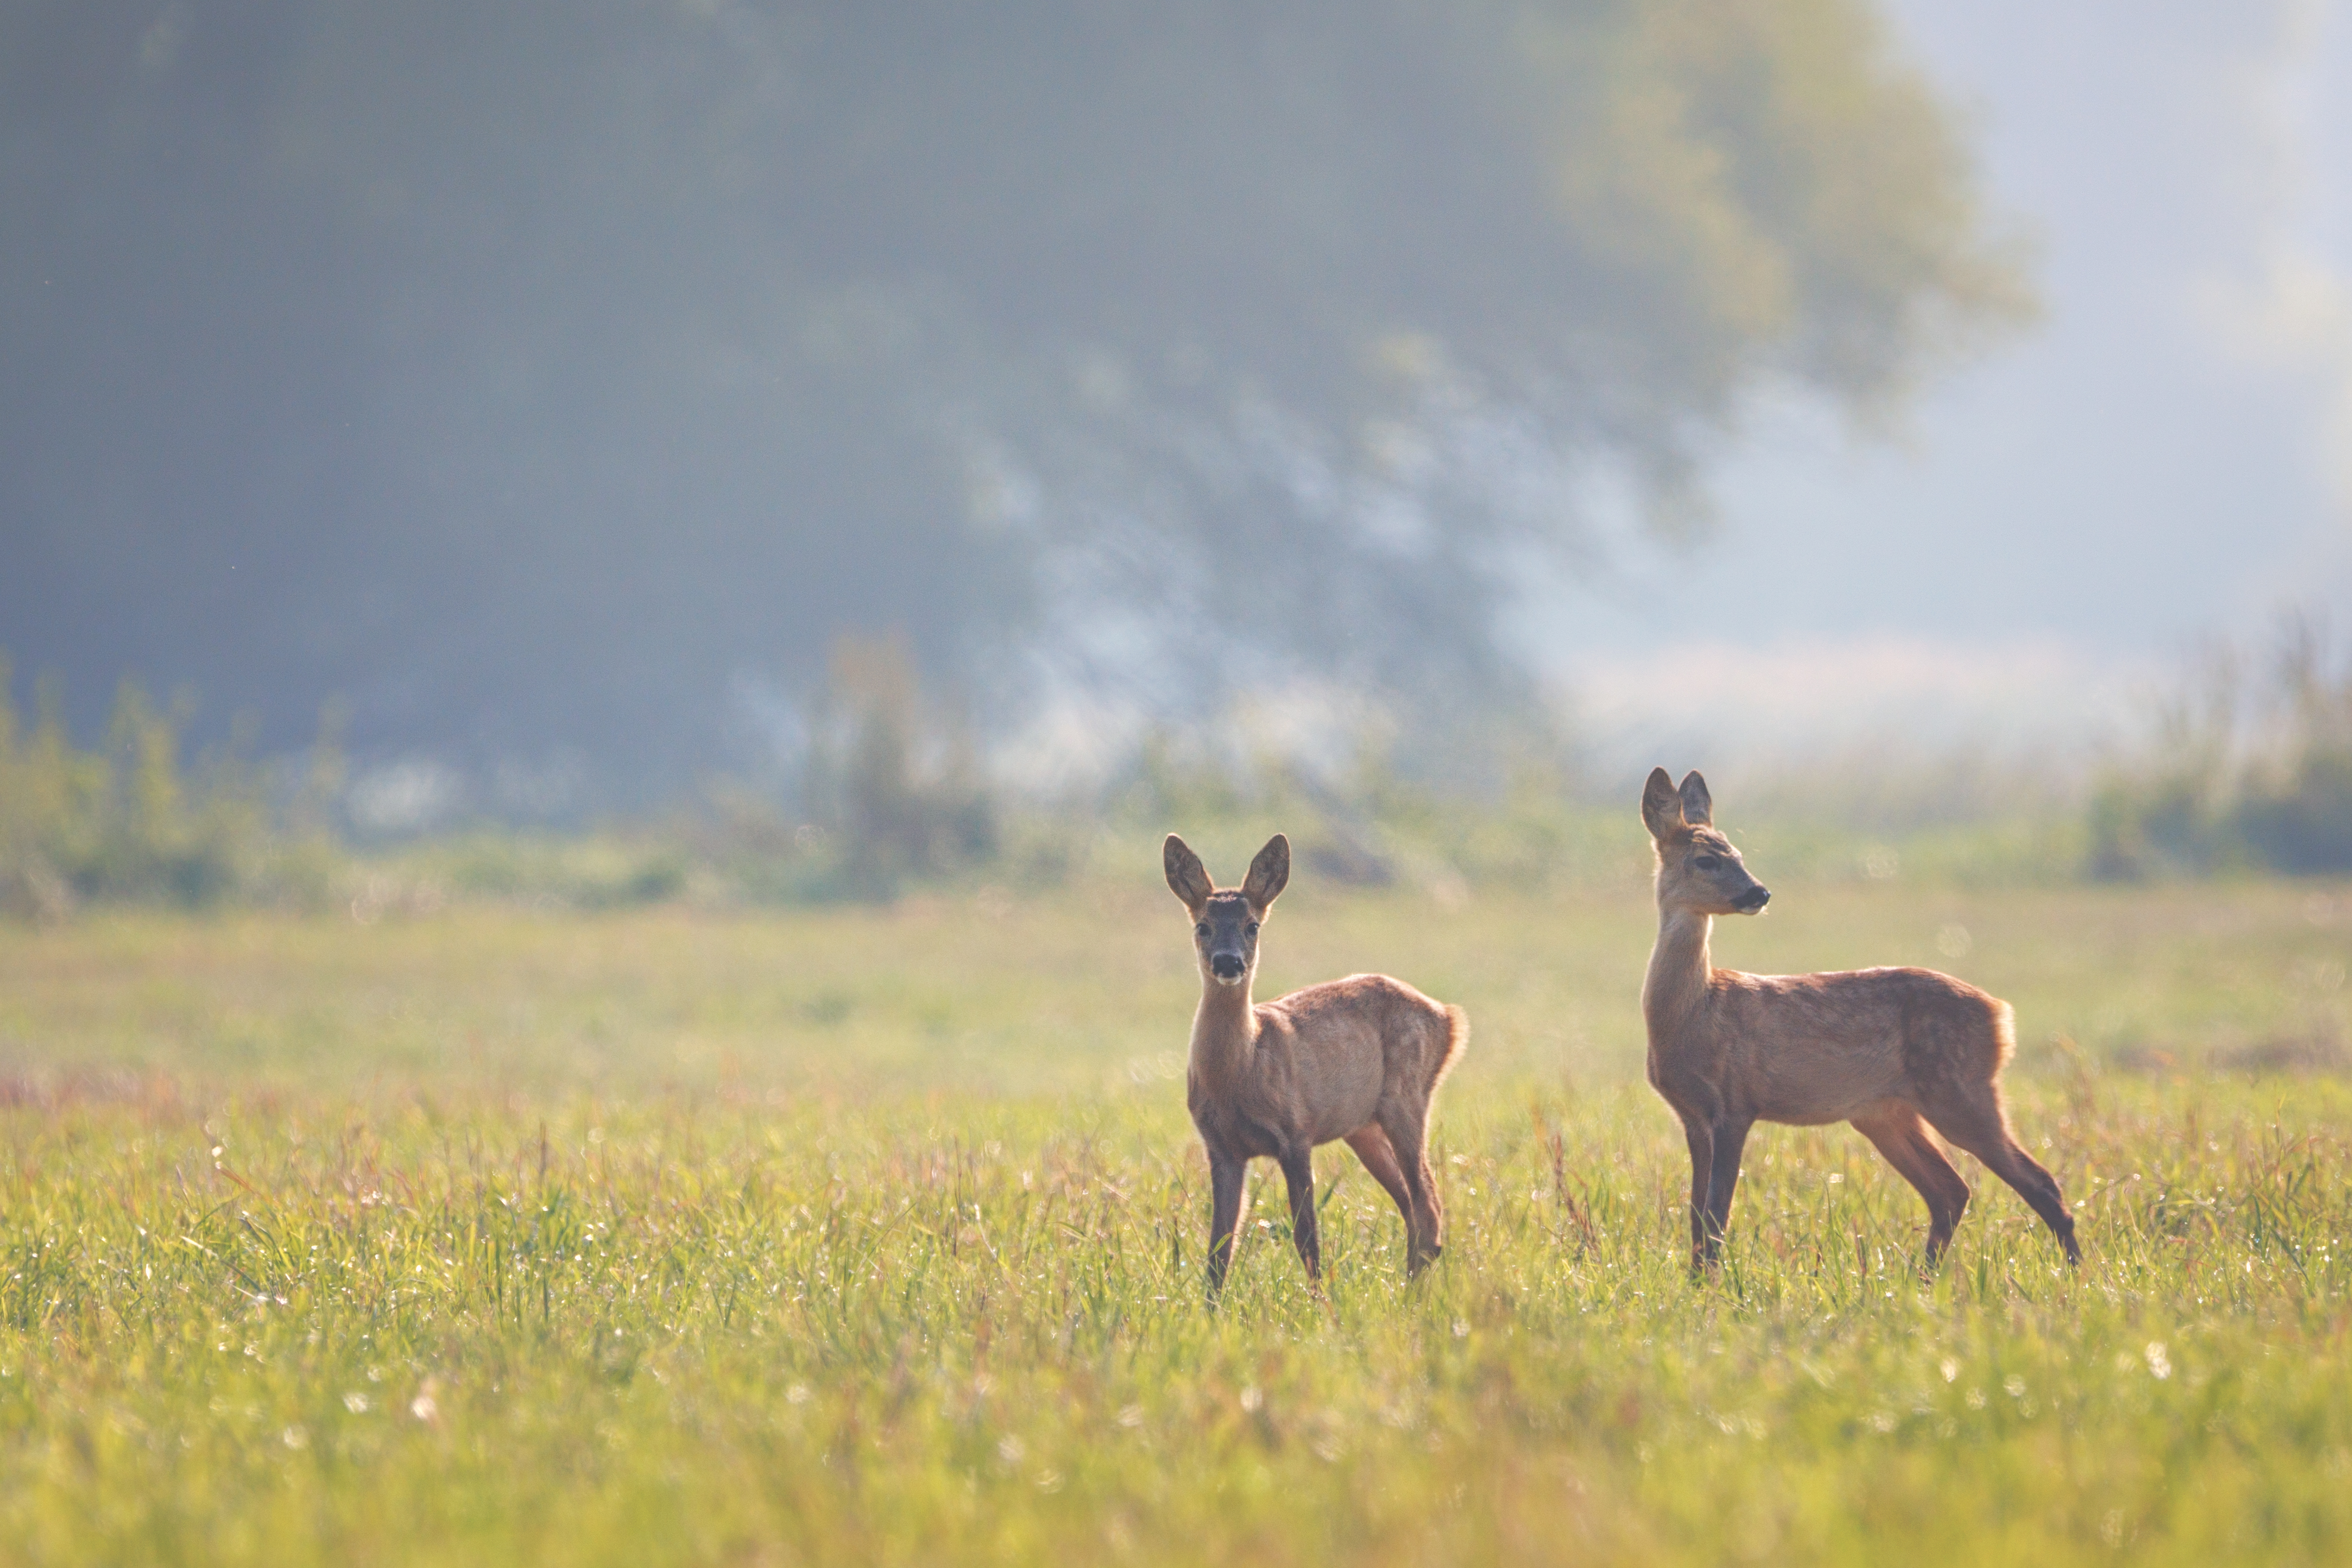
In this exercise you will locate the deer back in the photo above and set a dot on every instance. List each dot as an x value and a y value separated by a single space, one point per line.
1810 1049
1331 1055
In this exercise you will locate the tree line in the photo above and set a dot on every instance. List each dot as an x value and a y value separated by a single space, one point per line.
558 381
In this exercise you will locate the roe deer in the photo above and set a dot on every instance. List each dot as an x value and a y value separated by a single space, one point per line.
1882 1049
1358 1059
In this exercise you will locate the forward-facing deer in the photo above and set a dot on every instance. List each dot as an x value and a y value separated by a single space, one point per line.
1358 1059
1882 1049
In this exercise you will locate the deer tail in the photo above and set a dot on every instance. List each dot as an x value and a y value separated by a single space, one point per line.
2004 1034
1458 1040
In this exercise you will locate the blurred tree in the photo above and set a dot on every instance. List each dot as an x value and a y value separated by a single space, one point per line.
892 779
529 373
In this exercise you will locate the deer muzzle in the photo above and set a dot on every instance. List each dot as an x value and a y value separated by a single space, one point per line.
1227 965
1753 900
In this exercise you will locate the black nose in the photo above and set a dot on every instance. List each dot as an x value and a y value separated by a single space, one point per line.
1754 899
1227 965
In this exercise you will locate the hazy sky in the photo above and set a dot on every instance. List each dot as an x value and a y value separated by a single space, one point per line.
2169 454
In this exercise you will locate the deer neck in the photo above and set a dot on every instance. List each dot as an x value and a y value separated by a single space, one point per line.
1225 1029
1679 968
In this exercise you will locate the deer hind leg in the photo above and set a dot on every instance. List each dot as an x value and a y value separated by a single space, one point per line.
1372 1147
1980 1126
1298 1176
1902 1137
1408 1135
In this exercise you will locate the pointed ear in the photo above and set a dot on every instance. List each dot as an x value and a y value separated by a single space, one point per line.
1186 877
1269 874
1698 809
1661 809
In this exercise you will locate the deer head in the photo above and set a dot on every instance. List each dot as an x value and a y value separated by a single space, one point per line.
1699 870
1225 923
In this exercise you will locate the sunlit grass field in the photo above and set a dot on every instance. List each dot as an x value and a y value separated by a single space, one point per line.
494 1236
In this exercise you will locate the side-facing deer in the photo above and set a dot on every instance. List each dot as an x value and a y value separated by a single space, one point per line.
1358 1059
1887 1050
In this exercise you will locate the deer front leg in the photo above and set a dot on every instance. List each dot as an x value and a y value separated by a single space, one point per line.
1731 1138
1700 1137
1224 1215
1298 1175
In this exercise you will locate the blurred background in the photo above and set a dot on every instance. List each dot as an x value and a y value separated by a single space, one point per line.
661 448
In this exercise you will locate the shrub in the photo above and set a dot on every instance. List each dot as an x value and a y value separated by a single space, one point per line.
2250 769
127 822
890 792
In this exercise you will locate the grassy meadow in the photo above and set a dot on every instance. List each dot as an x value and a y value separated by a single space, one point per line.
488 1235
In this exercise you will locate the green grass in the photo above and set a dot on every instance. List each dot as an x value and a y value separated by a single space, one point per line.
493 1237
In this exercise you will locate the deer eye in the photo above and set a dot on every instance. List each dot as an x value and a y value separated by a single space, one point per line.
1200 930
1250 928
1708 862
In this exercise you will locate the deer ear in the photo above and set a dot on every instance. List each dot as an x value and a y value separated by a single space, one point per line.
1269 874
1186 877
1661 809
1698 809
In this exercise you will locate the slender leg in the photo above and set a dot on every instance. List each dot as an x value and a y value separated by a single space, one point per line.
1298 1176
1224 1215
1700 1137
1983 1131
1937 1166
1898 1134
1372 1147
2039 1188
1723 1177
1425 1229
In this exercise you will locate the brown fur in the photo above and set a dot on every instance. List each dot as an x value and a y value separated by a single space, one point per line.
1894 1051
1358 1060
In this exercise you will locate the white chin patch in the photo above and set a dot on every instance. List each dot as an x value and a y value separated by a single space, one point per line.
1230 979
